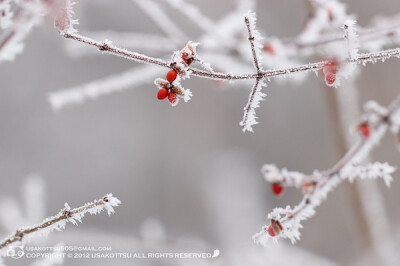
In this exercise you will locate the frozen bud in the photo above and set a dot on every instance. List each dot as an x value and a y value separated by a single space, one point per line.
329 70
172 98
63 20
188 53
274 228
308 187
161 83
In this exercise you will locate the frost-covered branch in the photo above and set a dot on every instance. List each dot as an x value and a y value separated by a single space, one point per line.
336 66
59 221
286 222
131 40
249 116
107 47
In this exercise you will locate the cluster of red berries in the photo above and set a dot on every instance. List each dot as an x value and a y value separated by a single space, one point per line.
168 91
274 228
330 69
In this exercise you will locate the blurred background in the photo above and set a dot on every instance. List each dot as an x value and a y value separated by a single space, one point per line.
188 177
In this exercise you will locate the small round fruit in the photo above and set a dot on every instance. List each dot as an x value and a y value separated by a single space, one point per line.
330 78
162 94
269 48
271 231
171 75
277 189
364 129
172 97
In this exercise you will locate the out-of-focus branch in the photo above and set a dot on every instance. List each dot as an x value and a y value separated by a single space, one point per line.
161 19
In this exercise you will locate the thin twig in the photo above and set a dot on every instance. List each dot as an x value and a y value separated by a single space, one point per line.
249 111
65 215
108 48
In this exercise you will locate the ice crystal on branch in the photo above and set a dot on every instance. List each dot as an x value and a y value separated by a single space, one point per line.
255 97
351 38
371 171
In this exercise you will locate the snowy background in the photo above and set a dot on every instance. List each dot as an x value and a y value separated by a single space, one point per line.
189 169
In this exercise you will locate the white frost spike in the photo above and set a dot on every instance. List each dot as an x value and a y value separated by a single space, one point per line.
372 171
249 117
110 202
351 37
188 95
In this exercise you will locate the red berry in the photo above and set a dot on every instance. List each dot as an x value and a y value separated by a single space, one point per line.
277 188
162 94
171 75
364 129
172 97
331 66
330 78
271 231
269 49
